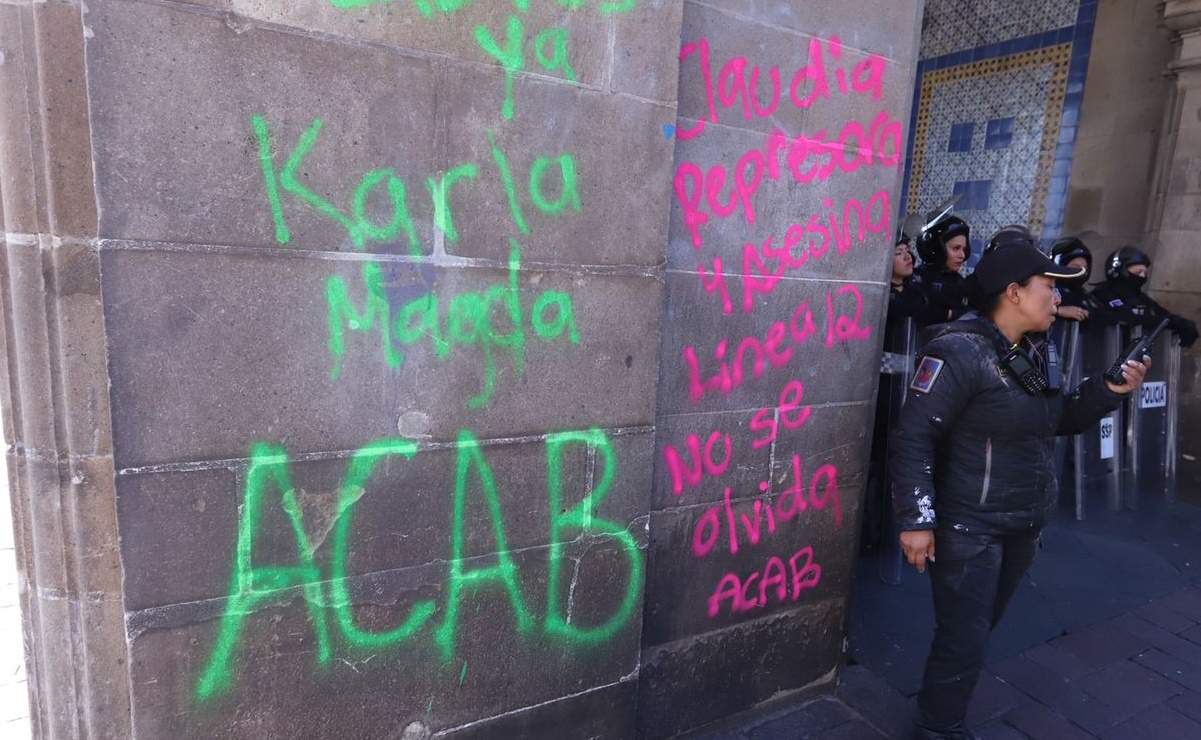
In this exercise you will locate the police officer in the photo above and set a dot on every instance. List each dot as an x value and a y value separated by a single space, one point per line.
971 460
1071 252
1120 299
944 248
905 301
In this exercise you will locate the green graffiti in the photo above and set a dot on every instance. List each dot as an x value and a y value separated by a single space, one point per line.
400 210
282 235
251 585
439 191
504 572
450 6
558 59
618 6
568 196
340 313
359 227
582 517
563 317
511 54
506 177
511 58
470 320
287 178
352 489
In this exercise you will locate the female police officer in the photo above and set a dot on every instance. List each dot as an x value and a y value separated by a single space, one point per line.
972 468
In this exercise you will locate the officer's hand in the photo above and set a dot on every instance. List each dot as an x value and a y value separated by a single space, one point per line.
918 546
1075 313
1133 372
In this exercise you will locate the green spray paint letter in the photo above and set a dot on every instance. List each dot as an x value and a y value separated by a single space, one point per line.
252 585
470 319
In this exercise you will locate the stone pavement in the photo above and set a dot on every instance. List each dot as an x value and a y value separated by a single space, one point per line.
1102 641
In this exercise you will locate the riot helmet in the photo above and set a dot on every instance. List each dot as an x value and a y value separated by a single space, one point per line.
1068 248
1118 264
1009 235
932 242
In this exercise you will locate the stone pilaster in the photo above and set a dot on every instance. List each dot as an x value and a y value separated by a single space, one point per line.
54 387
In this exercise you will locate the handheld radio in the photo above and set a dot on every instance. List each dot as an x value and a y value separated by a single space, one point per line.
1133 352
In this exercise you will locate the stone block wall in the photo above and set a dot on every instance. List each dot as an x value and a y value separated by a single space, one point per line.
478 369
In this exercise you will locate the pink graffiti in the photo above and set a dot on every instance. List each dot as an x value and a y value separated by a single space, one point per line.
738 82
741 593
771 350
755 276
691 183
822 492
691 472
769 419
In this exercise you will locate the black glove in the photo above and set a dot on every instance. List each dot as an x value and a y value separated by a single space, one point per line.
1185 329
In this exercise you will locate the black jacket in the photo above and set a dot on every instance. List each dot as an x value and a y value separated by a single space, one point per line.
908 302
975 452
1119 302
945 294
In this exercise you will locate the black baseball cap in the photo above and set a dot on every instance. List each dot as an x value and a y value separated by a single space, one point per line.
1014 261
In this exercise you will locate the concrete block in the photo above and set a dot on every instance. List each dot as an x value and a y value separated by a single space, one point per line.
404 517
646 50
279 687
861 24
250 320
19 126
685 586
622 169
601 713
402 26
29 374
63 97
73 276
827 373
196 172
686 684
838 228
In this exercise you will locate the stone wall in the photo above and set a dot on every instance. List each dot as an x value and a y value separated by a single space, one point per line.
1174 222
1113 176
768 347
469 368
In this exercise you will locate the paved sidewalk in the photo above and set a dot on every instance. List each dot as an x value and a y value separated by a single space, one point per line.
1102 641
1134 676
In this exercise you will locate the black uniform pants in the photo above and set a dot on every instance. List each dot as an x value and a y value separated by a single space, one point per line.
973 578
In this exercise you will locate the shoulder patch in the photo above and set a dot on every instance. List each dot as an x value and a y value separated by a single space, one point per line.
927 372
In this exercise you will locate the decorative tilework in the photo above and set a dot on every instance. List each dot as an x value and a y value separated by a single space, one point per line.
999 134
1022 96
961 137
1028 64
954 25
975 195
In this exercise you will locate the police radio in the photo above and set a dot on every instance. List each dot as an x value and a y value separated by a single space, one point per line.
1134 352
1017 361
